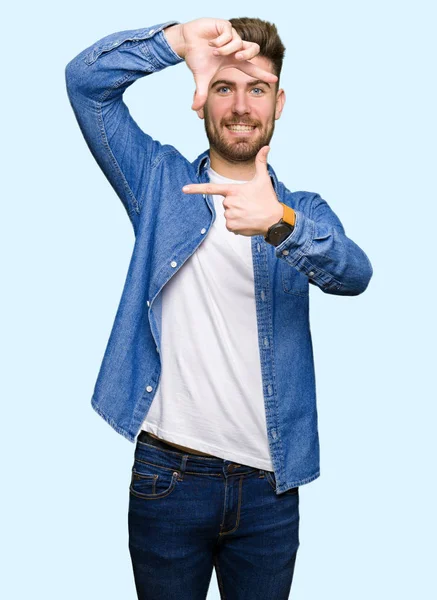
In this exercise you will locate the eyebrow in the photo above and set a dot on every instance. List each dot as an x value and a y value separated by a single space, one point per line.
232 83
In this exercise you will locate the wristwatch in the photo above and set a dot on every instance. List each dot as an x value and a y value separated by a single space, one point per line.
279 231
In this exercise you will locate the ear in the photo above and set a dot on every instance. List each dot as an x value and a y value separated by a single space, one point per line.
200 113
280 101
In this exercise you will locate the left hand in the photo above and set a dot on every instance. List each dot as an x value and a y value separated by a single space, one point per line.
250 208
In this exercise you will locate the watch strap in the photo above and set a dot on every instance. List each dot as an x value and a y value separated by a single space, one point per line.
289 215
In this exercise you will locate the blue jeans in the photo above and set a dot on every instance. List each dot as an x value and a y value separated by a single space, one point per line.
189 514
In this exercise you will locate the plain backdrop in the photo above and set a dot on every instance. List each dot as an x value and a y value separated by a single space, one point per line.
358 127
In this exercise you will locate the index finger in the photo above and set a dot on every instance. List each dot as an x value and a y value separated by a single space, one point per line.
207 188
251 69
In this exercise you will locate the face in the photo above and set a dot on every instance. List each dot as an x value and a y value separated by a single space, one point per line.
234 98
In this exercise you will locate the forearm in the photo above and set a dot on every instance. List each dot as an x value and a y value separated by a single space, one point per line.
106 68
319 248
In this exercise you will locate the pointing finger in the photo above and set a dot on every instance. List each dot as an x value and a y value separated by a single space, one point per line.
207 188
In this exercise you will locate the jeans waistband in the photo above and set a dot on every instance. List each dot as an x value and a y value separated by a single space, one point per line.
149 449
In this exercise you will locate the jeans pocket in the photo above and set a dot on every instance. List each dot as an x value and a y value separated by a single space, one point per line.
151 481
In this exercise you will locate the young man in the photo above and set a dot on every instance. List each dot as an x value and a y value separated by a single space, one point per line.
209 365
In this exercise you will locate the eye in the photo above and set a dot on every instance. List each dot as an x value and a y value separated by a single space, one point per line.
226 87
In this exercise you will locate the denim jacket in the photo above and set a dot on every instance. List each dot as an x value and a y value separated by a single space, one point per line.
169 226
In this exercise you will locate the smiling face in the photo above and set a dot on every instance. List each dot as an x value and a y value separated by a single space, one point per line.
240 112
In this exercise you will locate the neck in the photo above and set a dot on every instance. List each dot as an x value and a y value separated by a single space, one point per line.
238 170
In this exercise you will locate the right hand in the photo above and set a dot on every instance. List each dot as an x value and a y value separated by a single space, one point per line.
201 37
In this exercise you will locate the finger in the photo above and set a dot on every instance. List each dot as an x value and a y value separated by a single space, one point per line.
207 188
251 69
249 50
230 48
224 37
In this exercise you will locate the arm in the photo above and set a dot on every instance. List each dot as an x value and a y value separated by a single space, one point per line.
96 80
319 248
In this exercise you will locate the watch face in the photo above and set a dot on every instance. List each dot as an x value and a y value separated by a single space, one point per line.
279 232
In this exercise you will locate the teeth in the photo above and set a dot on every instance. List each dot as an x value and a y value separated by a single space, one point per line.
240 127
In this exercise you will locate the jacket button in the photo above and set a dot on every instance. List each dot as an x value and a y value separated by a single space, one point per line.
173 263
311 273
203 230
285 252
148 303
149 388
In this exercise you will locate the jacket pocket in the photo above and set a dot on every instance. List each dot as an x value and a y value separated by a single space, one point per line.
294 282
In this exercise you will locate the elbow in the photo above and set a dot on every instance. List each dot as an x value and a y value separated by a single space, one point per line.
366 274
71 74
75 74
359 281
354 282
69 69
69 77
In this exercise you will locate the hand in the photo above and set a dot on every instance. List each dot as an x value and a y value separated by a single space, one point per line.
197 41
250 208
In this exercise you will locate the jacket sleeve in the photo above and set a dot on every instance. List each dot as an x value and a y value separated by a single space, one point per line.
319 248
96 80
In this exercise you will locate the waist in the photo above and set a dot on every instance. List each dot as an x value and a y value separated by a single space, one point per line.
183 448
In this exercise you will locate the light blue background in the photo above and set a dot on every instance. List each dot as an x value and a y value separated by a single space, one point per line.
358 127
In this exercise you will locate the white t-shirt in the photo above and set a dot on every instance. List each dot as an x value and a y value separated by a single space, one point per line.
209 396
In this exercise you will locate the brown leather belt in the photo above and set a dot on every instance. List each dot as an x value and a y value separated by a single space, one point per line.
183 448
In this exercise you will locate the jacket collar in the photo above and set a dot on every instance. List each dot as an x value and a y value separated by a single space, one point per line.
203 162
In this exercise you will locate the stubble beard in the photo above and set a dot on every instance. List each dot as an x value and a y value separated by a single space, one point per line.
240 149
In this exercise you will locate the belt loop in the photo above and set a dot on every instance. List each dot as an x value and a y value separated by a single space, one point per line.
183 466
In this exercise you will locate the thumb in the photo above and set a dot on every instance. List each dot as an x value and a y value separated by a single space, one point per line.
261 160
201 93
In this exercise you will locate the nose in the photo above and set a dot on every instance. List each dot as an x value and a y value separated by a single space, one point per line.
241 104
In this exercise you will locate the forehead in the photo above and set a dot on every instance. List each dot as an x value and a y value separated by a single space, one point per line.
240 77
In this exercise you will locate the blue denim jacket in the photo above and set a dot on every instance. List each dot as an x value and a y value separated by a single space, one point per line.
169 226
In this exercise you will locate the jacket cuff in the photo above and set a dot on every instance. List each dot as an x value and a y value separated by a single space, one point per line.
298 242
162 53
295 251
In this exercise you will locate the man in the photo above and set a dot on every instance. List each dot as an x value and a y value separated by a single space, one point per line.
209 365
